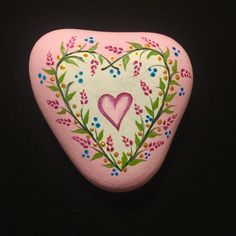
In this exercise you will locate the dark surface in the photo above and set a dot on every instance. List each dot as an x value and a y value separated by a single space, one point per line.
194 192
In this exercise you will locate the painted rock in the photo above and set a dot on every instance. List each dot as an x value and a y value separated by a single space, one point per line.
113 100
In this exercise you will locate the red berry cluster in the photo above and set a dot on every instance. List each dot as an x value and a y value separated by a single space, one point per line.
186 74
151 42
154 145
71 42
84 97
145 88
49 61
85 143
53 103
66 122
127 141
137 67
169 121
138 109
114 49
109 143
94 65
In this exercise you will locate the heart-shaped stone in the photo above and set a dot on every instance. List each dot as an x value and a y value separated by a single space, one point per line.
113 100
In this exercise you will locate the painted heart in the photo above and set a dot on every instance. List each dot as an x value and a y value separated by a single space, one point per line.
113 100
114 109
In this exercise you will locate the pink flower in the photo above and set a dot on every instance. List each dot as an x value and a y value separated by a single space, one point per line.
84 97
94 65
169 121
146 90
109 143
117 50
154 145
151 42
66 122
127 141
85 143
49 60
71 42
53 103
138 109
186 74
137 67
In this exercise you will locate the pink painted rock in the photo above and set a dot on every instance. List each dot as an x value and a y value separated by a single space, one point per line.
113 100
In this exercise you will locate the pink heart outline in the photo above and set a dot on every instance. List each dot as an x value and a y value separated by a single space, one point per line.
114 102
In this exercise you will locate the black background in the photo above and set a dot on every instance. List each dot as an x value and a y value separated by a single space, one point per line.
42 193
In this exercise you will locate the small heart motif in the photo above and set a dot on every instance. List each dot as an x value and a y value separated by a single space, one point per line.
113 100
114 109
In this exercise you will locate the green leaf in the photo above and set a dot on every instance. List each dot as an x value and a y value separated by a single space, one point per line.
152 53
152 134
149 111
174 67
139 126
62 112
50 71
93 48
100 136
109 165
167 111
162 85
174 82
68 87
135 162
124 160
97 156
61 78
135 45
166 54
155 104
86 117
100 58
70 61
70 96
78 58
80 131
62 48
169 97
53 88
137 140
125 61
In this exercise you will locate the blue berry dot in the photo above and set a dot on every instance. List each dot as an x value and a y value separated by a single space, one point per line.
97 125
149 69
146 121
88 156
114 170
155 69
147 116
91 37
39 75
80 81
178 51
183 93
176 54
180 94
76 76
112 174
86 151
44 77
41 81
182 89
116 174
152 74
92 124
174 48
111 71
85 40
83 155
118 72
91 41
114 76
95 119
81 73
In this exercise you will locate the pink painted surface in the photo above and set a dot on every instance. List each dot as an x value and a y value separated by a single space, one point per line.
138 175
